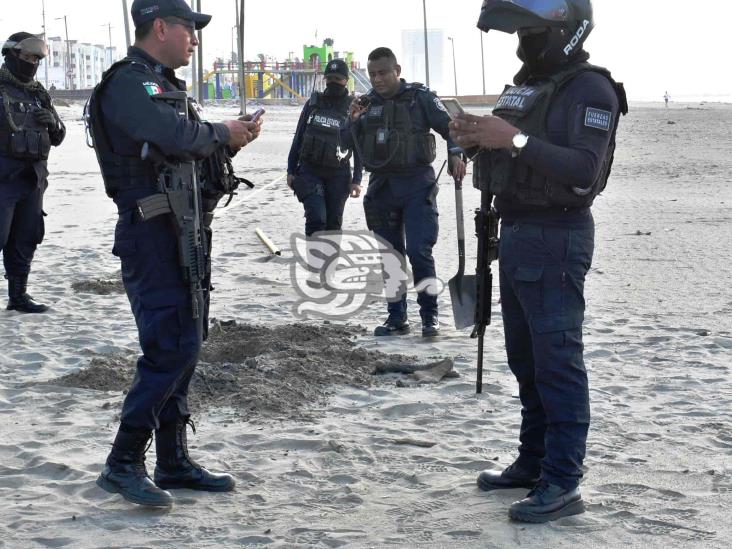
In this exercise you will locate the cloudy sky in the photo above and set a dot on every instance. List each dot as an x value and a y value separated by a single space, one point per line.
651 45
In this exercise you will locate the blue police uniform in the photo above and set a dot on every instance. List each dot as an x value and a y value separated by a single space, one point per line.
23 173
546 248
321 186
160 298
401 199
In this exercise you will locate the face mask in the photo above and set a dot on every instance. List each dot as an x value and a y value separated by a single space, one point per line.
22 70
531 51
334 88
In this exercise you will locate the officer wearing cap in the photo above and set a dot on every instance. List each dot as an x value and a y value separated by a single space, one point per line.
126 112
318 167
29 127
391 134
547 153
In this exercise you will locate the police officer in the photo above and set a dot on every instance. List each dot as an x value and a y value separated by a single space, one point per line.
29 126
124 115
391 129
318 167
547 154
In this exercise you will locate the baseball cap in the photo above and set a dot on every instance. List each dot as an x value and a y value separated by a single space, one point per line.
149 10
336 66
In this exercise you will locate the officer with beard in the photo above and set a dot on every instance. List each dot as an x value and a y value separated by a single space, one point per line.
127 111
390 130
29 126
547 153
318 168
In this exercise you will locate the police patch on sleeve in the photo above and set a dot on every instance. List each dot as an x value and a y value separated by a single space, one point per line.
439 104
152 88
598 119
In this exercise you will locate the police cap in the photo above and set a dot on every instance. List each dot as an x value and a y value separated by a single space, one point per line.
337 67
144 11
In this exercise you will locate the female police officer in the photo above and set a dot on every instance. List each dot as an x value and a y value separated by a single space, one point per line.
548 150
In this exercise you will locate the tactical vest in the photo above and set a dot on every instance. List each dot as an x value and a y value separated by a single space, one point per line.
21 136
526 107
321 140
388 139
119 172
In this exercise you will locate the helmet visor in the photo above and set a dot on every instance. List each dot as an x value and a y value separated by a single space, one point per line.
31 46
511 15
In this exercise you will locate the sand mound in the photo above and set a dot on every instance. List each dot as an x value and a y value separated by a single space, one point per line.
282 372
99 286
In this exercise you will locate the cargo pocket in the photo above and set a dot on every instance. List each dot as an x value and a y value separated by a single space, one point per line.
558 331
41 227
528 287
304 187
159 323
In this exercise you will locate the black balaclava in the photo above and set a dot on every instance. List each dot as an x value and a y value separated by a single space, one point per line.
543 54
335 89
22 70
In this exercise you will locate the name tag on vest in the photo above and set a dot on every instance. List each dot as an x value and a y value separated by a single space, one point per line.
518 98
598 119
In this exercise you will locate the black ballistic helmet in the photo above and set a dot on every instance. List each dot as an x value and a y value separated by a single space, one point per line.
573 17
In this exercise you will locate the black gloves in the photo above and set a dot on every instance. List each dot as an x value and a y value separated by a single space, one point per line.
46 117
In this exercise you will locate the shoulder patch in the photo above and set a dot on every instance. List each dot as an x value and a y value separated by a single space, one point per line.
152 88
439 104
599 119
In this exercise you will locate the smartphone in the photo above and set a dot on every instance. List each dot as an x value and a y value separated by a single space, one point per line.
452 106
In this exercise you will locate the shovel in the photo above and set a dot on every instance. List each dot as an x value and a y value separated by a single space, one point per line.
462 288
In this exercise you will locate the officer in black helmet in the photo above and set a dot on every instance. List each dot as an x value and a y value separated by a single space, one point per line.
29 126
318 167
546 154
140 106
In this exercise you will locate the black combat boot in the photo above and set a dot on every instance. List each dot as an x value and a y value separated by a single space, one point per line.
513 476
394 326
125 472
175 468
547 502
430 325
19 300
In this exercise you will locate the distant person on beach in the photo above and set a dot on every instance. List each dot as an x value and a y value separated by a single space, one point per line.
666 98
319 167
546 154
391 125
129 109
29 127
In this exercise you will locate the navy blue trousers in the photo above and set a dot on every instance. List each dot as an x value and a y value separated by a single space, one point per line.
170 338
410 224
21 220
542 275
323 196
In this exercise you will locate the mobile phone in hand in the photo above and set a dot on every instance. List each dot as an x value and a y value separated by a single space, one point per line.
452 106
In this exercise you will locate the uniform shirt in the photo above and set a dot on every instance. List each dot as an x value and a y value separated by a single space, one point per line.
293 159
131 117
427 113
574 151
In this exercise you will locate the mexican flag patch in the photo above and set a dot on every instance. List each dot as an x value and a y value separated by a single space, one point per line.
152 88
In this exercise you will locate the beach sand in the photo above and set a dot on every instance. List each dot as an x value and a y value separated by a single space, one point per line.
370 461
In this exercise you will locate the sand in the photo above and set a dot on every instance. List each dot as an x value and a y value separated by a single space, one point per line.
375 461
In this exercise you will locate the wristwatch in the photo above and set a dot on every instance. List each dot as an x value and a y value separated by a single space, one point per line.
519 141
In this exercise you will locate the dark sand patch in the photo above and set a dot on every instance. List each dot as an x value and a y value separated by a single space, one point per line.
99 286
283 372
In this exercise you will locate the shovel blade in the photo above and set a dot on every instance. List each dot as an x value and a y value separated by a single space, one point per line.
463 291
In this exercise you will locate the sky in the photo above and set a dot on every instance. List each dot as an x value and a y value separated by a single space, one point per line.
652 46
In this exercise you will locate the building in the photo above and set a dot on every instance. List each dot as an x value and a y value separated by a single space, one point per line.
412 58
84 69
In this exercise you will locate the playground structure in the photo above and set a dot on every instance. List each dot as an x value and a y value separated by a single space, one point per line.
292 79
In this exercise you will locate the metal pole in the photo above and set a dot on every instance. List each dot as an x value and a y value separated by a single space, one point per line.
200 57
242 77
454 67
426 48
127 23
45 36
482 60
194 69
